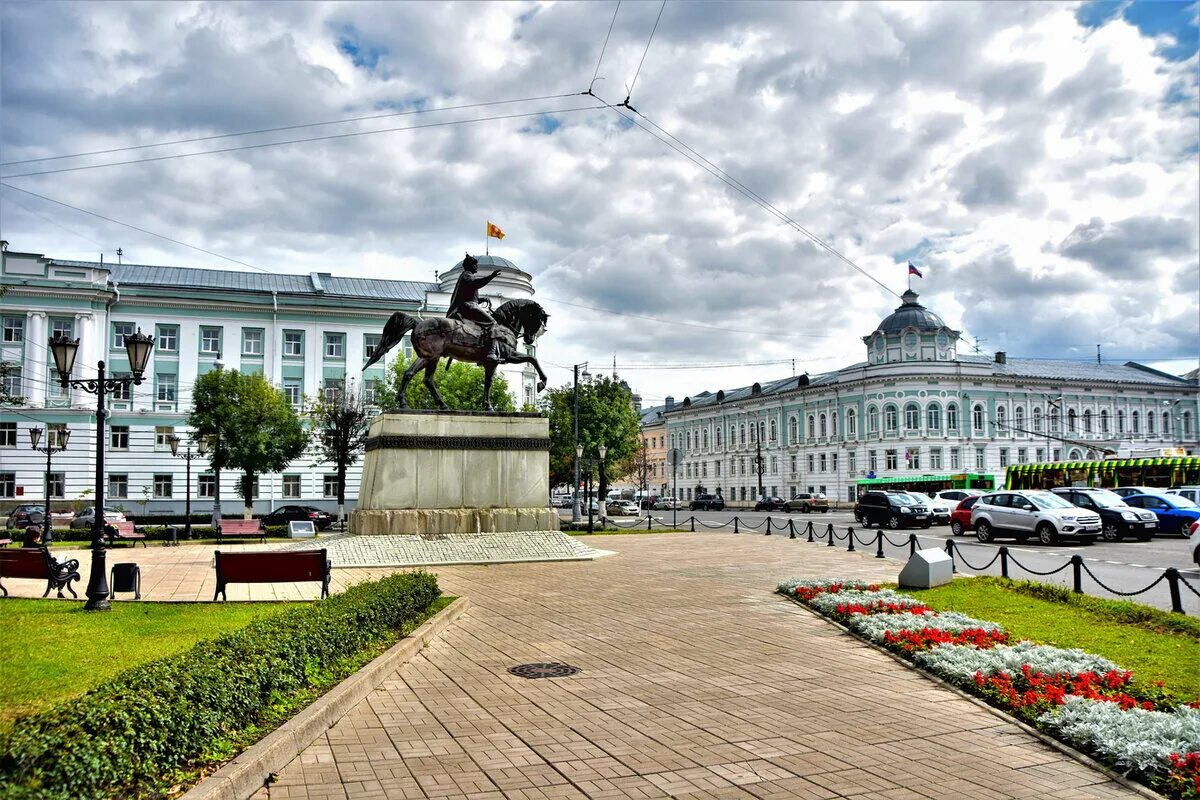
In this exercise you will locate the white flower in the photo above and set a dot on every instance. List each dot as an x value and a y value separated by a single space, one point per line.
789 587
1133 739
958 663
828 603
876 626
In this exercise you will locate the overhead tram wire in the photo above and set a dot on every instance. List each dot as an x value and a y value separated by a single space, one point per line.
688 324
603 48
633 83
282 128
328 137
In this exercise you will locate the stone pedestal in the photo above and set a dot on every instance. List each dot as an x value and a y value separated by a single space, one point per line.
455 472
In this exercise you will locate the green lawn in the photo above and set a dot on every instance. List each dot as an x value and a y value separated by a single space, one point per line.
1155 645
54 650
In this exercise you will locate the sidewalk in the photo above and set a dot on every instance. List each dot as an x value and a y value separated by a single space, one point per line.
696 682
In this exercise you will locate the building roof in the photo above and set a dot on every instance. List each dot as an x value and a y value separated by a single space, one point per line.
652 415
314 283
1062 369
910 314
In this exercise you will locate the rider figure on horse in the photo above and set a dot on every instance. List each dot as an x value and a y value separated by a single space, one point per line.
466 303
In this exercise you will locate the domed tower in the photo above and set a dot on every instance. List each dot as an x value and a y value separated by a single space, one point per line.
911 333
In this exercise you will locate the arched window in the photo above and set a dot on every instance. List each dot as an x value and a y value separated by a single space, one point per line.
1120 420
872 419
1087 421
717 435
852 423
753 433
1053 419
824 426
1166 428
812 426
1136 419
933 417
742 429
774 431
1104 420
689 440
890 421
1186 432
1149 423
1037 419
1075 455
705 437
1002 421
833 428
912 417
977 418
1071 420
952 417
733 436
791 430
762 430
1019 419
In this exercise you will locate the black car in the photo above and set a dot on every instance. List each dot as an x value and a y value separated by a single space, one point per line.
321 520
893 510
1117 518
707 502
27 514
770 504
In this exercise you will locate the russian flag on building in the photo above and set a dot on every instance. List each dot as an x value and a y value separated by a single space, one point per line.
912 270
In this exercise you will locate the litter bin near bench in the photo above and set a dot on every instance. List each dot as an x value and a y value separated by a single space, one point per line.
125 578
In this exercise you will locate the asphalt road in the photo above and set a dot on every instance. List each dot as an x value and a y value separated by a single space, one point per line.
1120 566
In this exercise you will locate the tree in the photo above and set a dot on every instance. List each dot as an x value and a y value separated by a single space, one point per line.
639 466
7 398
250 424
339 429
606 417
461 386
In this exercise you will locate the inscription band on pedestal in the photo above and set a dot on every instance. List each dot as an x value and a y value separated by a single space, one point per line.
413 442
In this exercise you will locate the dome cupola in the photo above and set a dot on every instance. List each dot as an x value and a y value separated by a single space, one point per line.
511 283
911 333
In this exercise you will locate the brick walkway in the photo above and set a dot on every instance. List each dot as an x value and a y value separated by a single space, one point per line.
697 682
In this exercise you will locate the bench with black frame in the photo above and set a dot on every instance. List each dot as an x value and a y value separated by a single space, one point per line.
36 563
123 532
288 566
241 529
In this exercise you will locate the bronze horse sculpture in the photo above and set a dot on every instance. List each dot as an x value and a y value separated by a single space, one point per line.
466 340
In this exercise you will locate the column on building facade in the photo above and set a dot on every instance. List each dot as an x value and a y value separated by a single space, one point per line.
36 372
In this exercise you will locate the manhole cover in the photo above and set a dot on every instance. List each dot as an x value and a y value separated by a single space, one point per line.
550 670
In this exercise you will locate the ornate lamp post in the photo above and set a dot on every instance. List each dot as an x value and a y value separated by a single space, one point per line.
759 467
138 348
188 456
35 437
589 463
578 447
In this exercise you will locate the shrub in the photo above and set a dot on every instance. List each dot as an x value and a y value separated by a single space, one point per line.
160 717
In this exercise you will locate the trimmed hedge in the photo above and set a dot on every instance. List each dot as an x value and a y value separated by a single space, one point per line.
160 717
153 533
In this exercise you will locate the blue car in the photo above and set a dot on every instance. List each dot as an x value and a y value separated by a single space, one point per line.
1175 514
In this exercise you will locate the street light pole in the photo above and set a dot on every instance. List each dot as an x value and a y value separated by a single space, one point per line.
188 456
578 447
758 467
35 437
64 349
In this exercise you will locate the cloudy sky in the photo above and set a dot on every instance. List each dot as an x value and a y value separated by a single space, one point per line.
1040 163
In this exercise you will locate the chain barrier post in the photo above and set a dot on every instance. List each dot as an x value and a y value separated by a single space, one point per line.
810 532
735 524
648 521
1172 576
949 552
768 533
1003 562
912 545
829 532
791 529
849 540
1077 573
693 523
879 544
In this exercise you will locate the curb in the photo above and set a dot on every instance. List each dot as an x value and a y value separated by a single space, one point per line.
1044 738
250 770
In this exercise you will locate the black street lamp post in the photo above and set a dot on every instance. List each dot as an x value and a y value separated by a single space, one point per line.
589 463
64 349
52 446
759 468
578 447
188 456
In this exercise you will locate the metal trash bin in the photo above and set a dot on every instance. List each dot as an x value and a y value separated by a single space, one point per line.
125 578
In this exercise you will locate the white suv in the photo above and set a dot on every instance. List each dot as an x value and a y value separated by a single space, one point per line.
1025 514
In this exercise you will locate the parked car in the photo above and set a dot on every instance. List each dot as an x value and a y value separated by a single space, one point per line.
622 508
84 519
1175 513
22 515
939 510
707 502
1194 542
806 502
769 504
1029 513
321 520
1128 491
667 504
1190 492
957 495
960 517
561 501
1117 518
893 509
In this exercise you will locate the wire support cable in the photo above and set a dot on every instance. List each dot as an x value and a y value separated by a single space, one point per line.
969 565
633 83
603 48
1118 592
1013 559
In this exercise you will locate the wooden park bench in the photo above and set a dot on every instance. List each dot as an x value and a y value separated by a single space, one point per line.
286 566
36 563
241 529
123 532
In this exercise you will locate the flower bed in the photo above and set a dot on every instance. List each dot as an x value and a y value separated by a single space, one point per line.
1078 697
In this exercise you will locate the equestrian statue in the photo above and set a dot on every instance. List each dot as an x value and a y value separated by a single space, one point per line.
470 331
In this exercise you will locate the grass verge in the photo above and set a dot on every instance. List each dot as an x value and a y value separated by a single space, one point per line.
1155 645
625 531
55 650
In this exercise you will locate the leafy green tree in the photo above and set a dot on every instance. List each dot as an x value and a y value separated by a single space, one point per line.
461 386
606 417
339 429
250 424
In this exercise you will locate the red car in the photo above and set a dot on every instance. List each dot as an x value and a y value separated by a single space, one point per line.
960 517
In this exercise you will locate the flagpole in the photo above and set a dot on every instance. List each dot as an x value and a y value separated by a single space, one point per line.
486 243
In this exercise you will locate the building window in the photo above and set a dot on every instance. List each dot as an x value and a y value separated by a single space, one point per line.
370 342
1071 418
291 390
118 437
980 459
333 389
58 484
12 382
1137 423
330 484
1149 423
291 487
717 436
954 459
742 433
933 418
812 427
1166 428
210 339
891 460
8 434
822 461
851 423
118 486
1186 425
119 331
335 345
14 330
912 458
1019 419
62 326
935 458
1037 420
774 432
293 343
852 461
8 484
1041 454
206 485
774 466
252 341
793 465
811 463
1053 420
162 486
872 461
952 417
167 340
1002 421
1022 455
912 417
1087 421
824 426
872 420
122 392
977 419
1003 457
166 389
162 437
890 420
762 431
371 390
704 436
